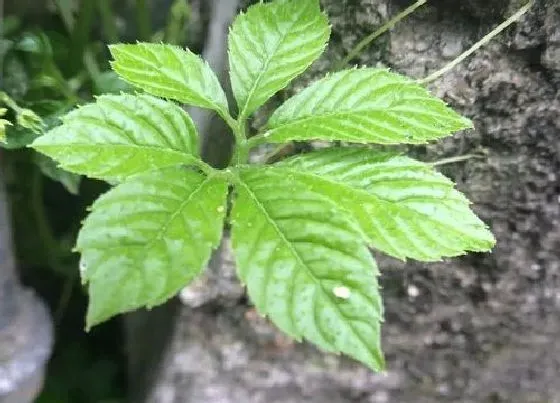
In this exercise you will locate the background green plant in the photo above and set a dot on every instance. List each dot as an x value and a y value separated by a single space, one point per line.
40 81
106 81
299 227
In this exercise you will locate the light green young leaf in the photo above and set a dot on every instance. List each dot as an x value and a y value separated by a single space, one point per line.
306 265
405 208
363 106
149 237
121 135
170 72
270 45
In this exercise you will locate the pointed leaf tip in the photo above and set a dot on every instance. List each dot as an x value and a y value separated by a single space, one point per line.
271 44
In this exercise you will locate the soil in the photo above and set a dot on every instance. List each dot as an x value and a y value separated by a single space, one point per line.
481 328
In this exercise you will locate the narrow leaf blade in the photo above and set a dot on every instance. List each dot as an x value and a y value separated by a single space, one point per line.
270 45
121 135
306 266
364 106
405 207
148 237
170 72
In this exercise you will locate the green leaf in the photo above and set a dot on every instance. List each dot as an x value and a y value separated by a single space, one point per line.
149 237
270 45
17 137
170 72
364 106
110 82
306 265
48 167
121 135
405 208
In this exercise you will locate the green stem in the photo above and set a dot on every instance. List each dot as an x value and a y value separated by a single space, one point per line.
9 102
80 33
487 38
179 17
384 28
91 66
143 20
242 146
231 122
452 160
204 167
108 21
50 245
65 14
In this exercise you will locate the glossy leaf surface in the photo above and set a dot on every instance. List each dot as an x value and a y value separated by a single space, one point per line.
364 106
149 237
406 208
121 135
270 45
170 72
306 266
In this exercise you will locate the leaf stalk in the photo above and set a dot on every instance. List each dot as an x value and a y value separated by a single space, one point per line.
487 38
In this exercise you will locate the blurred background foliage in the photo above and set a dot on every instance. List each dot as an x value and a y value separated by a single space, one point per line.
53 57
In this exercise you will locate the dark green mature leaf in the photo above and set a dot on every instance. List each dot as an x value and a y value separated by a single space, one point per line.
407 209
364 106
170 72
272 44
148 237
48 167
121 135
18 137
306 265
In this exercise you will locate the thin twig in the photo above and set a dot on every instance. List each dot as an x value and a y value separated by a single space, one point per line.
384 28
452 160
487 38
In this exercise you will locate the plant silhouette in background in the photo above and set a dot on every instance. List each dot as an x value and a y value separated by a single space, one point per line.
300 227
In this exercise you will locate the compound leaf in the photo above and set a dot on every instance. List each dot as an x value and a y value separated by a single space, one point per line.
170 72
121 135
405 208
306 266
364 106
148 237
270 45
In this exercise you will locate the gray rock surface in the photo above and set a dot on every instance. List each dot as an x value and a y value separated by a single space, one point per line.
482 328
26 331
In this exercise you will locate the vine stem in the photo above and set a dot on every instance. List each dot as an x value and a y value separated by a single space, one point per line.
242 144
452 160
487 38
380 31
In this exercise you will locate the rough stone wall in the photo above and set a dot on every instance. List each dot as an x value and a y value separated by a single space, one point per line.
483 328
